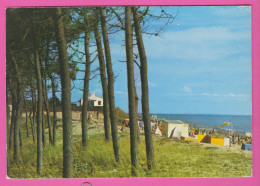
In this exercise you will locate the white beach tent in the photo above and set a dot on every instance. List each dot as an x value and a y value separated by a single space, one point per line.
158 131
175 133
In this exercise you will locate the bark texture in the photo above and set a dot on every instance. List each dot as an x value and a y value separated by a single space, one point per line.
66 95
131 91
145 92
86 84
39 111
54 109
103 81
18 109
110 85
47 108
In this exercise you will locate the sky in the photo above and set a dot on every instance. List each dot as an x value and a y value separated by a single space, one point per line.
201 63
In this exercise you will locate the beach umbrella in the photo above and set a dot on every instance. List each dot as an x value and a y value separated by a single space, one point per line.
225 123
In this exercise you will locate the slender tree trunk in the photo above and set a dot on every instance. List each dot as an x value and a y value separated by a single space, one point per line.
39 112
32 126
86 84
20 136
103 82
13 94
7 112
145 92
110 85
18 110
11 134
46 104
54 110
43 128
136 111
66 96
39 101
131 91
33 110
26 120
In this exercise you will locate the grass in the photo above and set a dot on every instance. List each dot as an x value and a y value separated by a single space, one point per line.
173 158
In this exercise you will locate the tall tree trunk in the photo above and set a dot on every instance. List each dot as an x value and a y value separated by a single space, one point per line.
131 91
103 82
26 119
66 96
39 111
43 127
11 130
20 136
136 111
7 112
145 93
11 134
32 119
54 110
46 104
35 108
32 126
110 85
86 84
18 110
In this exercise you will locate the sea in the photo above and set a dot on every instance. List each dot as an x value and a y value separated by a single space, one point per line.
239 123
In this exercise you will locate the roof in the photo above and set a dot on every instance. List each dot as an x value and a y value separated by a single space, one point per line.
177 122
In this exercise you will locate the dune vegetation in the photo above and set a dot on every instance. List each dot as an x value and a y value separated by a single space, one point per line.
173 157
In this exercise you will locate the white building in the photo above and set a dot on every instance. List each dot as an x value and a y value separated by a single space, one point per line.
93 101
176 126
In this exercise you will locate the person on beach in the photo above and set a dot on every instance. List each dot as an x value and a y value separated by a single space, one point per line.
191 132
141 124
233 139
89 116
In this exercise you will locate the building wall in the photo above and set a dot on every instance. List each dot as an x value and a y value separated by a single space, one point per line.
226 141
95 99
217 140
204 138
183 128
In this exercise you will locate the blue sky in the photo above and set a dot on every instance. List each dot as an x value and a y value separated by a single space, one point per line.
201 64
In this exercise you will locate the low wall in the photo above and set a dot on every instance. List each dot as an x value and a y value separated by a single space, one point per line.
217 140
202 138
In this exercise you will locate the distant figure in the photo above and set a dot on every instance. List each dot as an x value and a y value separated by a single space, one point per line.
89 116
191 132
123 128
141 125
233 139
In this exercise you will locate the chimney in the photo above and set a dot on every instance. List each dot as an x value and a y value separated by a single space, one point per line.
92 94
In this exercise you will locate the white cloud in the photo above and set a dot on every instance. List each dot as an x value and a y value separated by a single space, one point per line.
149 83
200 43
119 92
207 94
187 89
211 95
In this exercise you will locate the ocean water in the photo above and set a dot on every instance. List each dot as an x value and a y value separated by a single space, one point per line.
240 123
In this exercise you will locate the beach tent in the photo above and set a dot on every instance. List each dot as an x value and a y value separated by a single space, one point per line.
175 133
158 131
182 127
246 146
